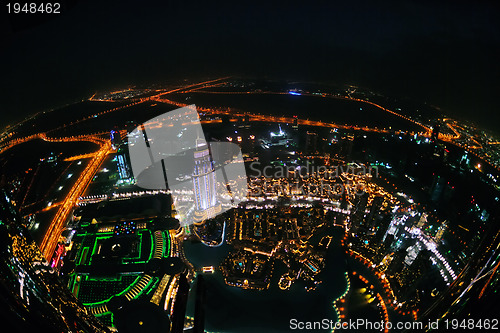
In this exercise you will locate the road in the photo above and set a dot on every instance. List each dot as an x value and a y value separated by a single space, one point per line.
58 223
66 206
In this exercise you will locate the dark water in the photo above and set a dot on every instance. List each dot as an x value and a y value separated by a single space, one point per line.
232 309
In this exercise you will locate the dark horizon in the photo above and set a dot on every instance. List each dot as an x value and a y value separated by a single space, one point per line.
442 53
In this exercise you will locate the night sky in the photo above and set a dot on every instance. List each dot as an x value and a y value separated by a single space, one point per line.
445 53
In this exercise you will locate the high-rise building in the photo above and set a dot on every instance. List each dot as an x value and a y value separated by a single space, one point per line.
440 232
358 212
116 138
422 221
374 210
412 253
465 161
278 138
204 183
311 142
382 226
346 143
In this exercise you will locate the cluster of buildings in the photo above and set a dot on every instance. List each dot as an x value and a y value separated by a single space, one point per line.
125 249
288 236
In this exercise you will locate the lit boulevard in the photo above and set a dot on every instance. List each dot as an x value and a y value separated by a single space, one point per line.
284 220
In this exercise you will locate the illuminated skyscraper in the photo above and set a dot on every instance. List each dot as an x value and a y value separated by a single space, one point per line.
422 221
440 232
359 210
204 183
374 210
412 253
170 152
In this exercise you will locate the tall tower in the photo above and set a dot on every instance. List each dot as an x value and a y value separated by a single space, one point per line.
422 221
440 232
347 143
311 142
358 212
374 210
204 183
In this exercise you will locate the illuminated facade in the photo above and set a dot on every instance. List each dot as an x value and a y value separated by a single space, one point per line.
204 183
